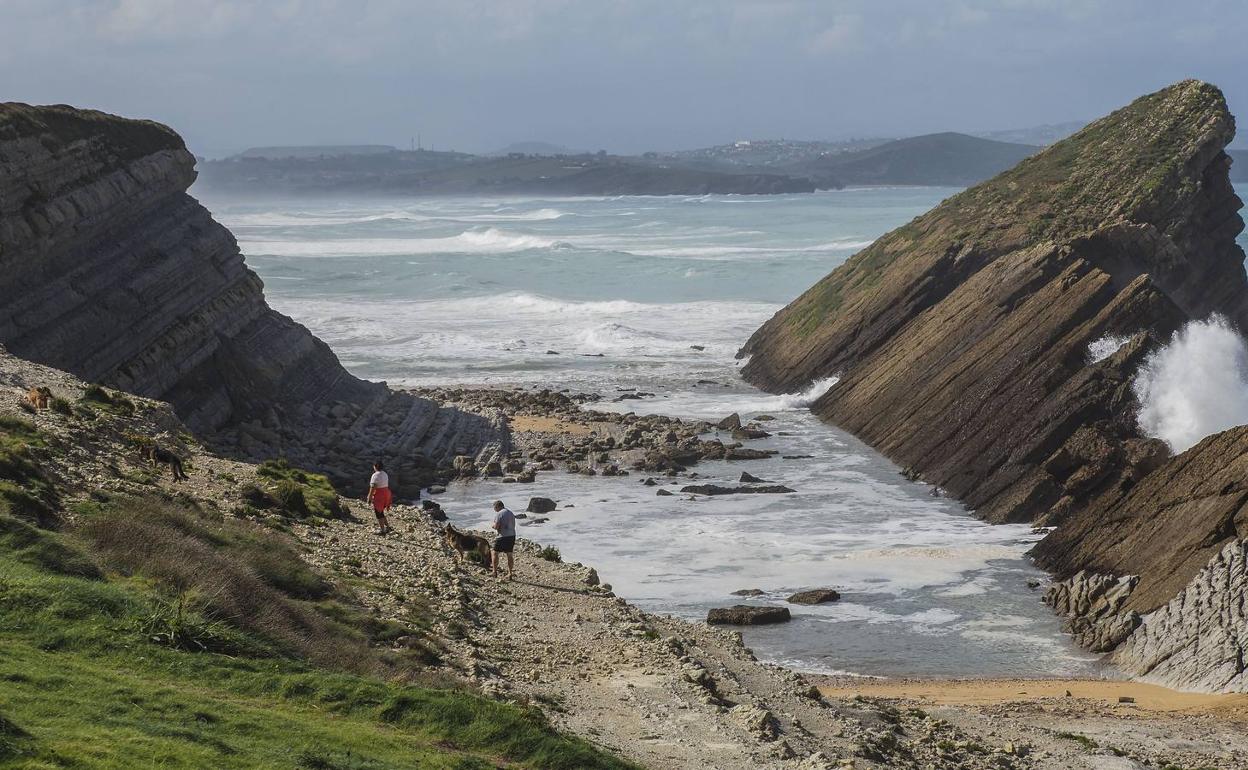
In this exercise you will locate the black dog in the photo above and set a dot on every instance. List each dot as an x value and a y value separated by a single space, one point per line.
159 456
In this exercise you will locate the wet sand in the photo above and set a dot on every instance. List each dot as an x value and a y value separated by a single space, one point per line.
985 692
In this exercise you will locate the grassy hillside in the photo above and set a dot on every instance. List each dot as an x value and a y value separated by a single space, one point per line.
933 159
151 631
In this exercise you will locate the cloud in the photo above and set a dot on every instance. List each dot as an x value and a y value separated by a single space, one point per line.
843 35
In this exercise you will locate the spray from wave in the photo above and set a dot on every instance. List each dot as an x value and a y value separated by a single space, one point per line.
1195 386
1103 348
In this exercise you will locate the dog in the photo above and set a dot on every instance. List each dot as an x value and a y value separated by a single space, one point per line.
464 542
159 456
39 397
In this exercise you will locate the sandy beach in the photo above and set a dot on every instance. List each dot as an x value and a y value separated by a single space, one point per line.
986 692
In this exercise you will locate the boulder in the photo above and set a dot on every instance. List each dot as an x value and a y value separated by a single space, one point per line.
748 592
731 422
747 615
749 478
740 453
540 505
815 596
715 489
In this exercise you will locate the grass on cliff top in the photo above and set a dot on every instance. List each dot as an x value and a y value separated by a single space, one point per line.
95 673
1125 165
153 633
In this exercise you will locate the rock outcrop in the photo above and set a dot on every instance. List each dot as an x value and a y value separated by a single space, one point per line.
110 270
962 346
961 339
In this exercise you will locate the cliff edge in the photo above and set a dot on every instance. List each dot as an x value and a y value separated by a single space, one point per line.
110 270
964 344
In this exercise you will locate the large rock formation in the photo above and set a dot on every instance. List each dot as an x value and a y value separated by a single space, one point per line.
109 270
962 342
961 339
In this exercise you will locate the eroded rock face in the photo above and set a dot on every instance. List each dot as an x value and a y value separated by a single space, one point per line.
109 270
961 339
961 343
1199 639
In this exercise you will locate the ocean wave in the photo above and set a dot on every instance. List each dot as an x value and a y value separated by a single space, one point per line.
487 241
728 250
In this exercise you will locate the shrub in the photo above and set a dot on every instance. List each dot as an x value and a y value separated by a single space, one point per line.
237 574
180 623
550 553
44 550
116 403
27 407
288 494
96 395
25 491
60 406
300 493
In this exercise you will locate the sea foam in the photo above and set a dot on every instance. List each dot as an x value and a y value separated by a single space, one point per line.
490 240
1196 385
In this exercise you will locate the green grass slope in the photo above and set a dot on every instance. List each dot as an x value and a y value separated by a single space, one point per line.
153 633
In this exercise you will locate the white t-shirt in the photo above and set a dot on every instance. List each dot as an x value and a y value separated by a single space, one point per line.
379 480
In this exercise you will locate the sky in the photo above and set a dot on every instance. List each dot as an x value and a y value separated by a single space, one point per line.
622 75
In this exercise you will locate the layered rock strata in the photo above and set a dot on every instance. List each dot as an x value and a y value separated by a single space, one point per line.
110 270
963 343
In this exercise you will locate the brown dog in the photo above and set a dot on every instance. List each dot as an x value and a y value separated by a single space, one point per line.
463 542
159 456
39 397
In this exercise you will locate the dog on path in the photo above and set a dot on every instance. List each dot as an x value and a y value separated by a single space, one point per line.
158 456
464 542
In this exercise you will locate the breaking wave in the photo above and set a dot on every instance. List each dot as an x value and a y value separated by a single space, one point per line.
1195 386
490 240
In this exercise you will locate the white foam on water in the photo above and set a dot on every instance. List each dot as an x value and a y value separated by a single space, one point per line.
1196 385
487 241
919 577
1103 348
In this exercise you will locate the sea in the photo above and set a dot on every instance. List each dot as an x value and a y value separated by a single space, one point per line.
616 295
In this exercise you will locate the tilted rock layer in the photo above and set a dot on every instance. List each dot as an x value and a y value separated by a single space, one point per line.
962 345
110 270
961 338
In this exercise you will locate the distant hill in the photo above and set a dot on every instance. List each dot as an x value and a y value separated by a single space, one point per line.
1041 136
315 151
1239 168
535 148
934 159
764 152
424 172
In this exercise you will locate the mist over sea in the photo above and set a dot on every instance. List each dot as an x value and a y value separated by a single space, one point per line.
603 294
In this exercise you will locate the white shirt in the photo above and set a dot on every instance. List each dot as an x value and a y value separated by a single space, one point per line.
379 480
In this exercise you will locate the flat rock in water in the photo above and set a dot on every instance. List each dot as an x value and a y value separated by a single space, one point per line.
749 434
741 453
748 592
815 596
540 505
747 615
715 489
663 493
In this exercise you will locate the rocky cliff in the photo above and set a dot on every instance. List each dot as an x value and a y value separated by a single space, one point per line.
961 339
963 345
109 270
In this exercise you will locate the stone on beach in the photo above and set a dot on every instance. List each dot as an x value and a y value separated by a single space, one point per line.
747 615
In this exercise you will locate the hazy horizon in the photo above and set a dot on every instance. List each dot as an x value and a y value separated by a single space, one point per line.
626 77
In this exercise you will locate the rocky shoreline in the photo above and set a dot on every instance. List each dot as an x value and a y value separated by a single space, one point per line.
963 342
663 692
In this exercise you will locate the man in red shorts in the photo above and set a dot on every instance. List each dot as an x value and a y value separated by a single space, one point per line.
379 496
